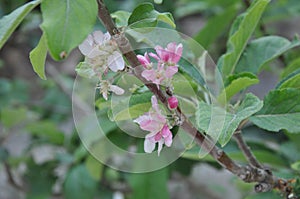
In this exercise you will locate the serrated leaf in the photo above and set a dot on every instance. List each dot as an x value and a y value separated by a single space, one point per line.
144 15
38 57
11 21
66 24
121 17
215 26
263 50
237 83
240 36
79 184
294 65
281 110
291 81
220 124
146 185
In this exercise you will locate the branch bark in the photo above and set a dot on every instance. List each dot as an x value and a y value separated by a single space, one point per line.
252 173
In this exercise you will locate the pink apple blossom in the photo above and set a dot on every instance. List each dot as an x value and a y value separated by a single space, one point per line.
170 55
154 122
172 102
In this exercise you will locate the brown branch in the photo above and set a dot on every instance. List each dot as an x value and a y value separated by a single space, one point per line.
265 179
246 150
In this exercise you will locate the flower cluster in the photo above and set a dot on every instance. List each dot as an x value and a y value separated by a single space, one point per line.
154 122
101 56
166 66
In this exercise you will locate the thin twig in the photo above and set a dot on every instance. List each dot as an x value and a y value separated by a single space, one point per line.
246 150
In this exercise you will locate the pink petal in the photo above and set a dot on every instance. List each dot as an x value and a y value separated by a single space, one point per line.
168 140
151 125
149 75
154 56
172 102
148 146
157 137
144 60
116 89
165 132
170 71
154 103
115 61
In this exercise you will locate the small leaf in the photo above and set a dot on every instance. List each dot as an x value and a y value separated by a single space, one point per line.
132 112
38 57
66 24
94 167
240 34
263 50
144 15
281 110
220 124
79 184
291 68
237 83
121 17
11 21
291 81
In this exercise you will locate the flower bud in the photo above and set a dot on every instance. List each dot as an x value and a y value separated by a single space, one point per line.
172 102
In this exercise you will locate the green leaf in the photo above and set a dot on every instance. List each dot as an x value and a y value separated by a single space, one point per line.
281 110
240 36
132 112
294 65
121 17
11 117
38 57
149 185
291 81
296 166
237 83
67 23
263 50
144 15
79 184
46 129
85 70
11 21
215 27
220 124
94 167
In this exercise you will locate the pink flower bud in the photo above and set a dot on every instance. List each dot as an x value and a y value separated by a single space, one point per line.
172 102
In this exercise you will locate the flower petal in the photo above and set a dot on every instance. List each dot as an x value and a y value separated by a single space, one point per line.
165 132
160 144
148 146
168 140
170 71
116 89
149 75
115 61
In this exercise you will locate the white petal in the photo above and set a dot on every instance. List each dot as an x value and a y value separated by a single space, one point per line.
116 89
98 37
148 146
116 61
160 144
86 46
